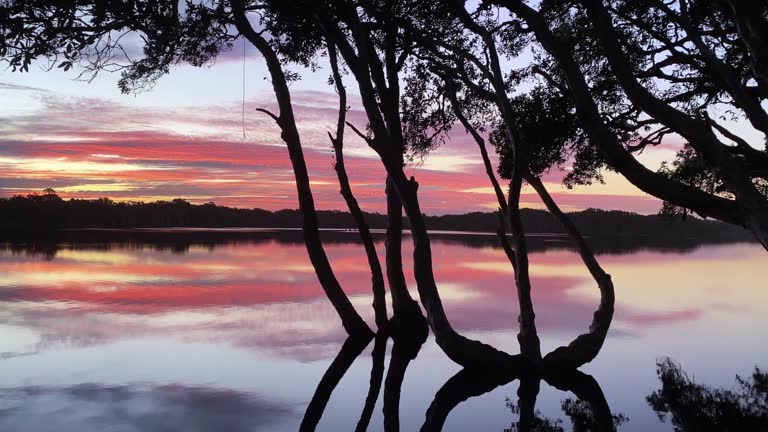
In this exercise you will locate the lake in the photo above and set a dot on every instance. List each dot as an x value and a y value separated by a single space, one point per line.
228 330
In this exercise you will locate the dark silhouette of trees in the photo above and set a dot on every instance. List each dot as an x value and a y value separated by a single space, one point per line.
588 412
693 407
286 121
27 214
368 43
377 276
687 405
603 80
665 69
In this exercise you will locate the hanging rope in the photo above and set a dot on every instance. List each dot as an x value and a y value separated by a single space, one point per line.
243 111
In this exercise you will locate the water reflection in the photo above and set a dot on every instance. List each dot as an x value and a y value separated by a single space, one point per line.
246 315
589 412
91 292
135 407
182 240
694 407
350 349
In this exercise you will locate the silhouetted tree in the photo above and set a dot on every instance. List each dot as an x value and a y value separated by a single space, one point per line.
377 276
603 83
85 32
670 65
695 407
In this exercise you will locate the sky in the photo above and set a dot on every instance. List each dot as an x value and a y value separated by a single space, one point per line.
184 139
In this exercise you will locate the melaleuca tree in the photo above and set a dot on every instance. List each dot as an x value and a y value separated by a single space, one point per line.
375 45
546 123
93 34
98 36
588 89
302 27
533 131
670 68
337 141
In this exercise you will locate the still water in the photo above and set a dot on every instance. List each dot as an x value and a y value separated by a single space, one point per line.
229 330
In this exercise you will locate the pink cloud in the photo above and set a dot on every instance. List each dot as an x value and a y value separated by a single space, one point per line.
198 153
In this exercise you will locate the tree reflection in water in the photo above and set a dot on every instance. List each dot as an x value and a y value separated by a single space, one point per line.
689 406
589 412
695 407
586 415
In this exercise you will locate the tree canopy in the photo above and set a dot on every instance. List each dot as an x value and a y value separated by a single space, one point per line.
584 84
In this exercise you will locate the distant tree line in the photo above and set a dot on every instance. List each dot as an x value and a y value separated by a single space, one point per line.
48 211
592 81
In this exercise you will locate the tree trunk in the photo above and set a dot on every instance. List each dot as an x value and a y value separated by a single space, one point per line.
530 346
751 203
361 62
407 321
351 320
377 277
527 394
518 257
397 285
465 352
586 389
585 347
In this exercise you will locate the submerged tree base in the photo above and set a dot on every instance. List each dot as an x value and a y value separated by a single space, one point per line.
408 324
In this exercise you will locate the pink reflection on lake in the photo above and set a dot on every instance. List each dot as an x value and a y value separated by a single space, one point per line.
258 304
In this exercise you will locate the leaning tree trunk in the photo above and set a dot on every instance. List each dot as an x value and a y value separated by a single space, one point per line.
351 320
377 276
500 199
752 204
408 319
398 288
461 350
466 352
518 257
586 389
408 322
585 347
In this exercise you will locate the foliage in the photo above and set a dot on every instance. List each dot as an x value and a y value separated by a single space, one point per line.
103 35
47 211
690 58
694 407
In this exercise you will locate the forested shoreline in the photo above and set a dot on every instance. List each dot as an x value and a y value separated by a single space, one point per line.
49 212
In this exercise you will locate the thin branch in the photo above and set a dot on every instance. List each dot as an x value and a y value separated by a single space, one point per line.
269 113
360 134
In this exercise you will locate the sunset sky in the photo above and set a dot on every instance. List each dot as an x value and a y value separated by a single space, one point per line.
184 139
